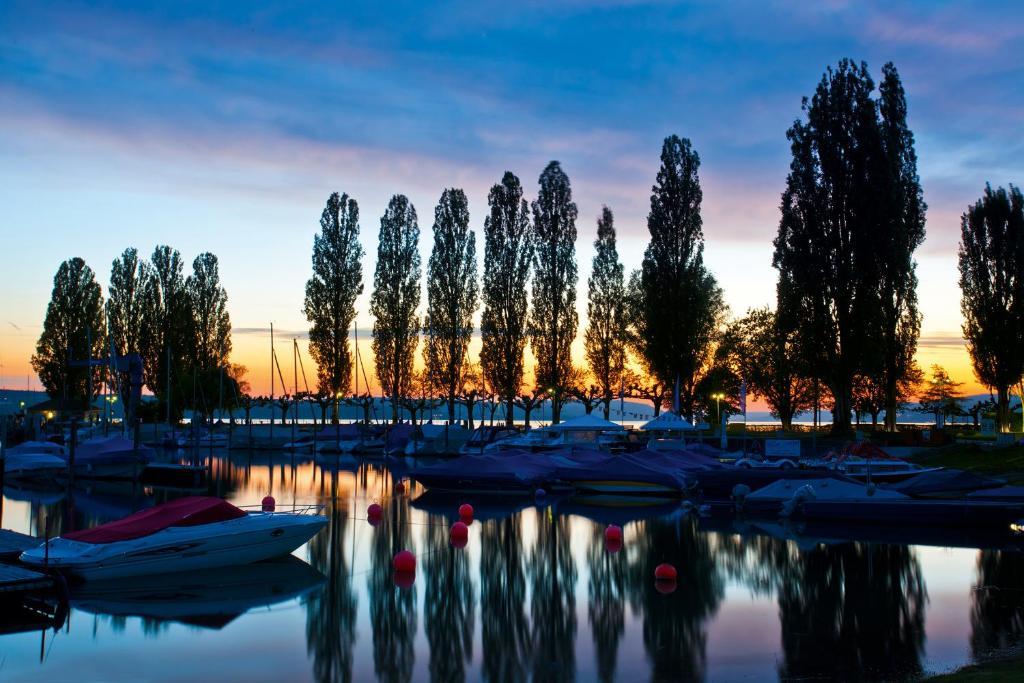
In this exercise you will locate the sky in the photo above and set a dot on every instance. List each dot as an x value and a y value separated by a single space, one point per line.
223 127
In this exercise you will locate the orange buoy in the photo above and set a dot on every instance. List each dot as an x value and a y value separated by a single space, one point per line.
269 503
404 561
665 572
404 579
466 512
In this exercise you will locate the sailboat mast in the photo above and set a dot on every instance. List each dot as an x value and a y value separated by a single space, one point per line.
355 327
271 381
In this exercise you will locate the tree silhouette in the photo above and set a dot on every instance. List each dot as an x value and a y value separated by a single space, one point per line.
208 307
395 298
125 308
508 250
997 603
168 337
552 570
992 286
606 606
605 338
451 296
73 330
677 306
331 293
553 320
505 628
392 609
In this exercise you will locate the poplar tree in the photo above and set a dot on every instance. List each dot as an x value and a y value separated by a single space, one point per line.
125 308
508 251
73 333
992 291
677 304
852 215
208 309
903 230
167 324
451 297
604 339
331 293
553 320
395 298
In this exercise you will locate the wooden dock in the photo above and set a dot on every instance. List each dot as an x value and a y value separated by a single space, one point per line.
14 579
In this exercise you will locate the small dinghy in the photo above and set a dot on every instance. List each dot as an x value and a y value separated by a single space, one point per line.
182 535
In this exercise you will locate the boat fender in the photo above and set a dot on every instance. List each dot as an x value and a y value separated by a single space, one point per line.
740 492
870 488
805 492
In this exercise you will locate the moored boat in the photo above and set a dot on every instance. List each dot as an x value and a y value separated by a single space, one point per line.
182 535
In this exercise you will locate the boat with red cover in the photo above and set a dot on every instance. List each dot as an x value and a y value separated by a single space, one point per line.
181 535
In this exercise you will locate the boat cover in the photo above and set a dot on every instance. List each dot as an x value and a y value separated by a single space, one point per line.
945 482
397 436
341 432
191 511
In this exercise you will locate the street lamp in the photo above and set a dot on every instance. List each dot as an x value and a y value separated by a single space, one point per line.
718 409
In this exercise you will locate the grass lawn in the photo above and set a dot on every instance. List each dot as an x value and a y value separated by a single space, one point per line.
1007 463
1009 669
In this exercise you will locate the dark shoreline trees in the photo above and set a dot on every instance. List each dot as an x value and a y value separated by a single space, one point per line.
395 298
331 294
605 337
125 307
991 261
167 337
508 250
210 322
451 297
553 318
852 216
676 304
73 332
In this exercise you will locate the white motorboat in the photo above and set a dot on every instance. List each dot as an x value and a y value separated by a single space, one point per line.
183 535
35 460
112 457
783 495
586 431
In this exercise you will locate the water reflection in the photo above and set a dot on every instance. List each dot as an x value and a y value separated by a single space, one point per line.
331 612
674 624
506 628
449 604
606 606
853 612
392 607
997 609
836 610
552 570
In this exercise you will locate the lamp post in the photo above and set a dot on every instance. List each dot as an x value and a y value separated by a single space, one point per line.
718 408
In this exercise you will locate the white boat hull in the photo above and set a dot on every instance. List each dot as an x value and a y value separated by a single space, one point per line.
180 549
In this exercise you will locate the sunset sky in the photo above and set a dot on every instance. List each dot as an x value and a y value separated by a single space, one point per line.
216 127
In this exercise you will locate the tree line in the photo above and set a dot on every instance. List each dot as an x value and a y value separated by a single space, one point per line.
178 324
842 334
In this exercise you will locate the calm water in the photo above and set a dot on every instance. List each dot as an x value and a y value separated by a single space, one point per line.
535 595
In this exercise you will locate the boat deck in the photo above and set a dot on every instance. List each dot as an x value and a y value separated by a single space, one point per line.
13 544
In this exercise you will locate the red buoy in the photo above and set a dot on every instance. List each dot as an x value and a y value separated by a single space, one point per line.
374 513
459 534
613 532
399 488
612 545
665 572
665 586
404 579
404 561
269 503
466 512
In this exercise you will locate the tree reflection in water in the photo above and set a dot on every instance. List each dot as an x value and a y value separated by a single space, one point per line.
506 634
331 611
674 624
606 608
392 609
997 603
853 612
553 601
449 604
